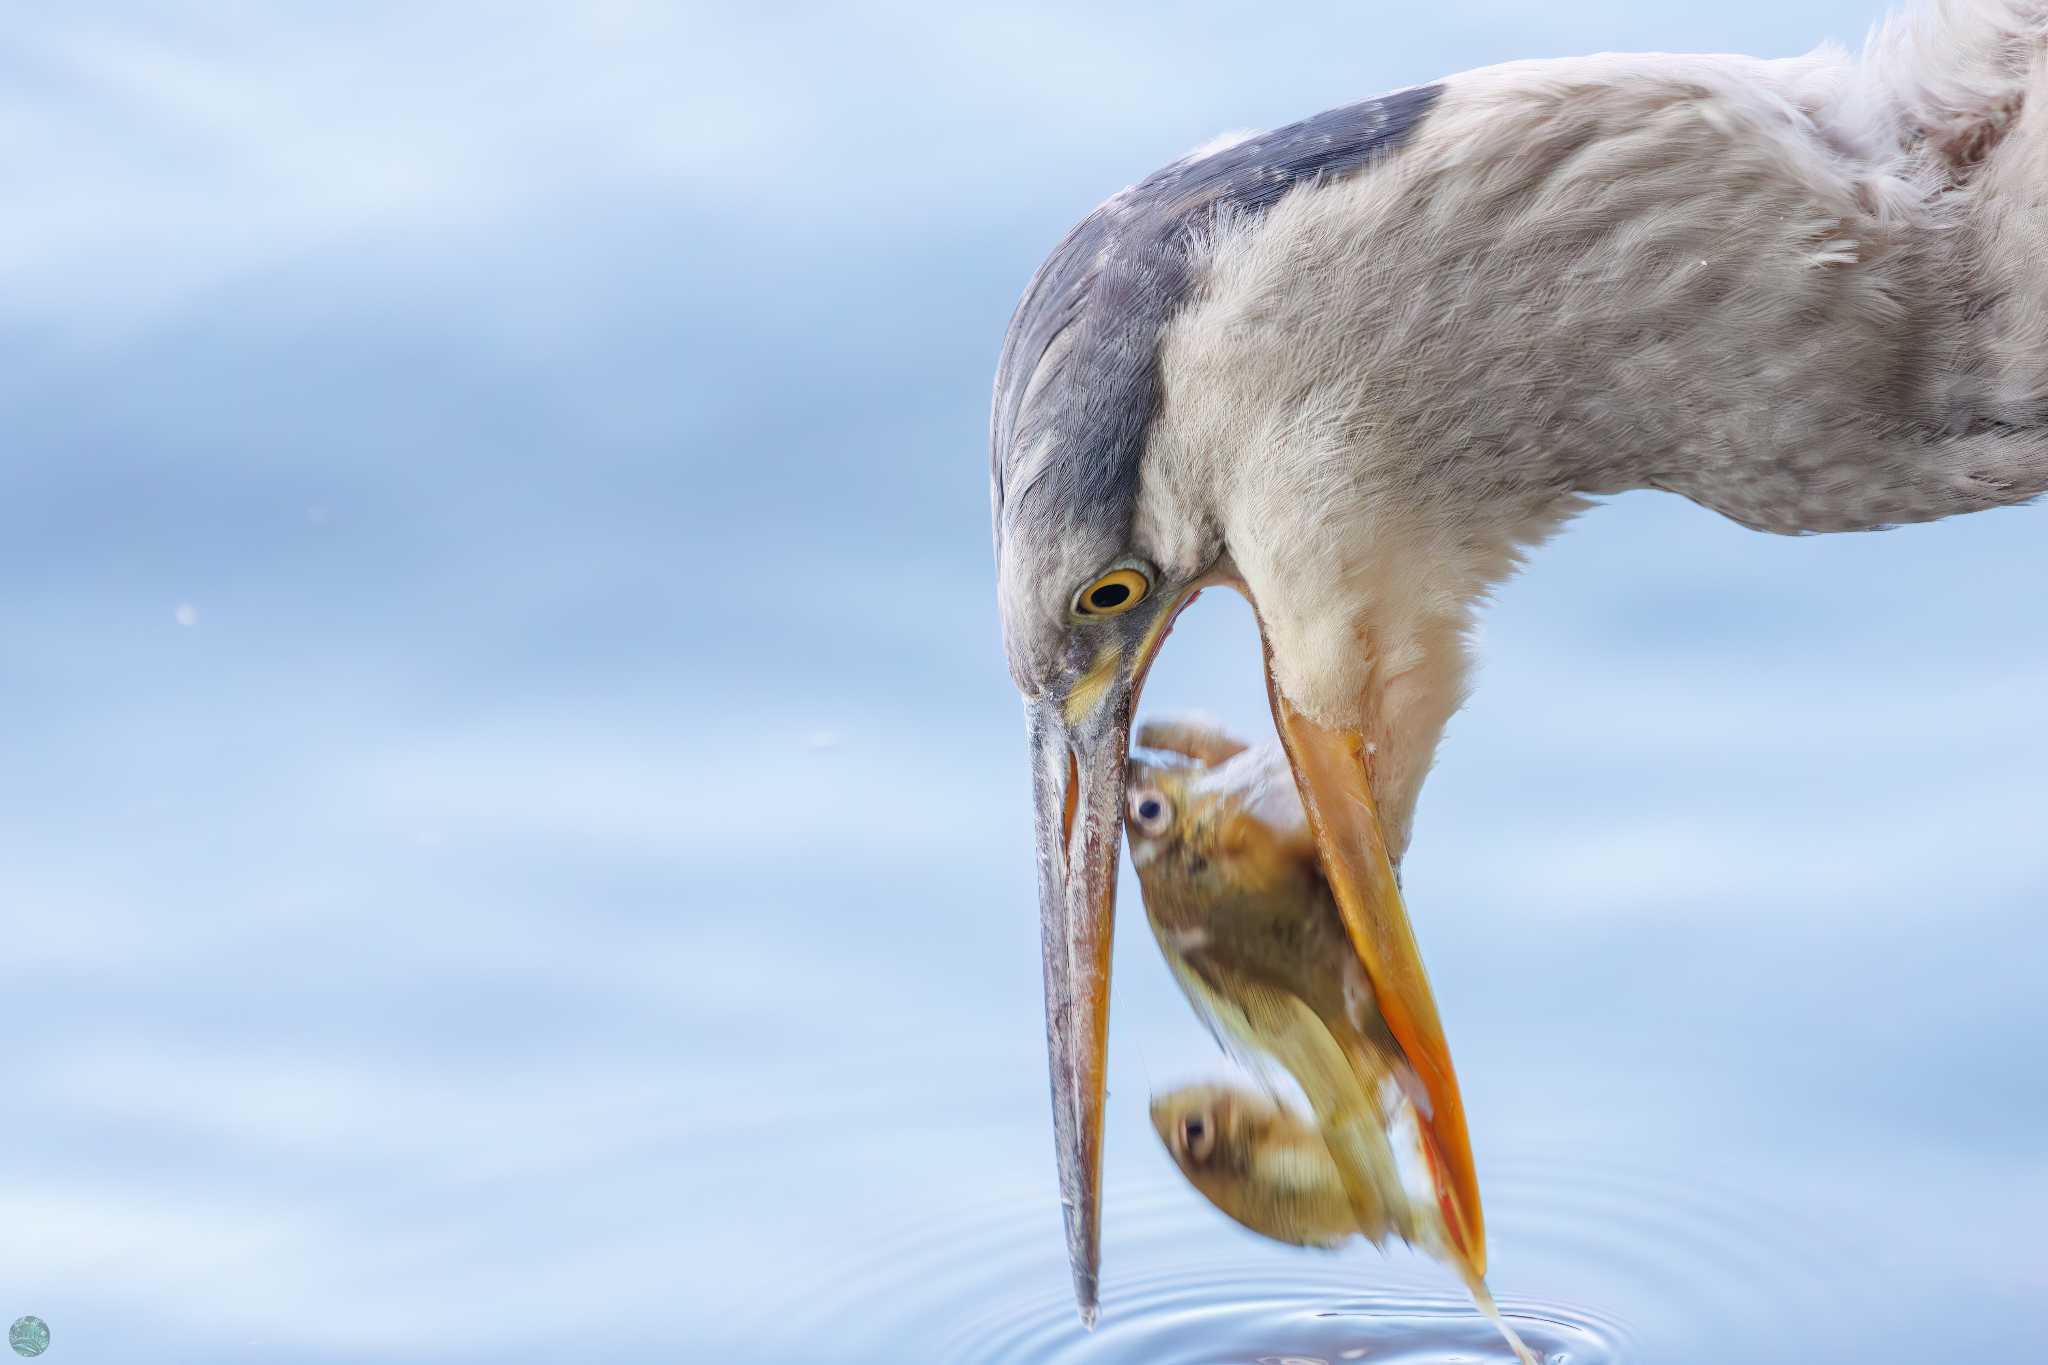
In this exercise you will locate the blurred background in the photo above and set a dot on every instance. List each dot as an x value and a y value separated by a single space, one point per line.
514 826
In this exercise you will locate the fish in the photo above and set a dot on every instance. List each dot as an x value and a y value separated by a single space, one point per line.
1268 1169
1237 901
1236 898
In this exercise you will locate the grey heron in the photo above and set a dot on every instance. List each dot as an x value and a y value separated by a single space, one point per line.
1357 367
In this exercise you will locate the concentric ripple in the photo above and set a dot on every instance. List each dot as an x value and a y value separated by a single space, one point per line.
1180 1288
1219 1315
1591 1263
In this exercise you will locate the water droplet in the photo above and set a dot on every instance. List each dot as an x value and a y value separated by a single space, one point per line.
186 614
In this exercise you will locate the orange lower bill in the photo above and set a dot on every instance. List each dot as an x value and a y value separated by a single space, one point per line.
1333 770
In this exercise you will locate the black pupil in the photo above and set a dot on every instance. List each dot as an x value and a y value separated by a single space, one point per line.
1149 808
1195 1130
1108 595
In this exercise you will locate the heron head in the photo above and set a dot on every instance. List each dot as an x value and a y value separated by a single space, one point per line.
1087 591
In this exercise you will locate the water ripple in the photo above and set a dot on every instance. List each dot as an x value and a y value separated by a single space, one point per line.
1649 1264
1222 1315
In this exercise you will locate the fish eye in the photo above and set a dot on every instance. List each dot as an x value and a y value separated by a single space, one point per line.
1113 594
1198 1138
1151 812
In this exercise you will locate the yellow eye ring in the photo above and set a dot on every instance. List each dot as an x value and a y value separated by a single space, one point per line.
1113 594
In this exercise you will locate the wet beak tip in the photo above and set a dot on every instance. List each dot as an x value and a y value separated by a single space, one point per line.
1087 1298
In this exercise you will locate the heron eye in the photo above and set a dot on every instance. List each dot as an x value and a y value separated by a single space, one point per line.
1198 1138
1113 594
1150 811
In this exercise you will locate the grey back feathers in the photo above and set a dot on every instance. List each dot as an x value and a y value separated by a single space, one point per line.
1091 318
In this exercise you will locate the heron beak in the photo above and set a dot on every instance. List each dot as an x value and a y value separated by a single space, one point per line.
1079 789
1333 768
1079 747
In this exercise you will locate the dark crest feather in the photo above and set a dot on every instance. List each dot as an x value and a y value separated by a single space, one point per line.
1116 280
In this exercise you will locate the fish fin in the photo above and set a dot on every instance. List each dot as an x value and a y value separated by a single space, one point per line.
1192 736
1352 1127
